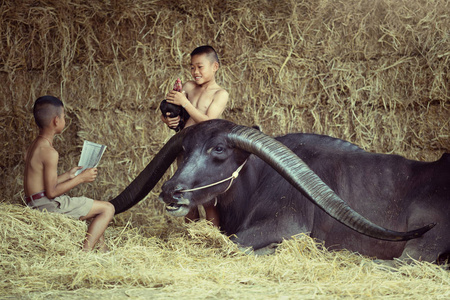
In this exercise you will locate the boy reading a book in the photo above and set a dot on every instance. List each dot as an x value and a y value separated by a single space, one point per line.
203 99
44 188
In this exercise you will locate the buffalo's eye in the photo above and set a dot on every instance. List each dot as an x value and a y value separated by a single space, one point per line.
218 149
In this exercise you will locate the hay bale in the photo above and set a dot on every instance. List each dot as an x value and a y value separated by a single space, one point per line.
41 255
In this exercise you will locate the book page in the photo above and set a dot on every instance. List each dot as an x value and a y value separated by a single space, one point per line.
90 155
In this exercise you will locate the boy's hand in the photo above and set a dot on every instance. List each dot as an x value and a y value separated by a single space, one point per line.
171 122
89 175
73 171
177 98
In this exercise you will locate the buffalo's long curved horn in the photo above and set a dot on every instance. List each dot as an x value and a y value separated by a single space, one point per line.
150 176
294 170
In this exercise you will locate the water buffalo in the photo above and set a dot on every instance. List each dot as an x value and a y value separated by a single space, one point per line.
269 189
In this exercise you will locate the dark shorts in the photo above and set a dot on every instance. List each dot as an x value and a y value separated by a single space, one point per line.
75 207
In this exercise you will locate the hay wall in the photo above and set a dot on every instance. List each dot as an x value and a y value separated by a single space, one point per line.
372 72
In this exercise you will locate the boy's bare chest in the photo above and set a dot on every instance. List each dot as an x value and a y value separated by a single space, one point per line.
202 100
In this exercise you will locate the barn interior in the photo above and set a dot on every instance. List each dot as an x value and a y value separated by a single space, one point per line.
375 73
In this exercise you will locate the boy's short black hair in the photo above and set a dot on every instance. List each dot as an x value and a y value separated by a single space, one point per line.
45 109
209 51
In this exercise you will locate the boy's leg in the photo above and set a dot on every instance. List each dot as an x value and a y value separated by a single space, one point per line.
101 244
102 213
192 215
212 214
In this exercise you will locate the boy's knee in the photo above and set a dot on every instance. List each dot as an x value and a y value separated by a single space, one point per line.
110 208
106 208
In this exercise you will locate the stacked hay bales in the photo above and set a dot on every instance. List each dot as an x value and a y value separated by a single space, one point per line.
373 72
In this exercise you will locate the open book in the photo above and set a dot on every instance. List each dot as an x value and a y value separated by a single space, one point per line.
90 155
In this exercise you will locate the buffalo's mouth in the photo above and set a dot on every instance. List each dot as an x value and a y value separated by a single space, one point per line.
176 207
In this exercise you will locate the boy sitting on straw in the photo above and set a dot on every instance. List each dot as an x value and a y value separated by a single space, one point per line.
203 99
44 189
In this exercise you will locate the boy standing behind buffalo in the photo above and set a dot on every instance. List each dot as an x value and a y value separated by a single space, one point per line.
203 99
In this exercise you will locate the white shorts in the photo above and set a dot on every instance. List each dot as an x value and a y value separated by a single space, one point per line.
75 207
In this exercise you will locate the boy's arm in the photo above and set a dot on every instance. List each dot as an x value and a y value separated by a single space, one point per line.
68 175
54 187
214 111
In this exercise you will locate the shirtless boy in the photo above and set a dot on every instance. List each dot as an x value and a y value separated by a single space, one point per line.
203 99
44 188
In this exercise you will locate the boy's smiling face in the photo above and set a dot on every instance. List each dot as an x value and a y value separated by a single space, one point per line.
202 68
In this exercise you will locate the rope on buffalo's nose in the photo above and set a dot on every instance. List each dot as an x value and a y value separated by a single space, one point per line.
231 178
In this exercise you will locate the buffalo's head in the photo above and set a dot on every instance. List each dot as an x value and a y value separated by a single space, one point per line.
206 166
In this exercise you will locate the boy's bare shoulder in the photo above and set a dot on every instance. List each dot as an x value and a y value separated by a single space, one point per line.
40 151
189 85
221 93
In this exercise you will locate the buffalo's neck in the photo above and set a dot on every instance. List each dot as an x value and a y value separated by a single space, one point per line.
235 205
248 209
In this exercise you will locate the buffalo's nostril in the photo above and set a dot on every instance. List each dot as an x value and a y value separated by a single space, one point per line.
177 194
